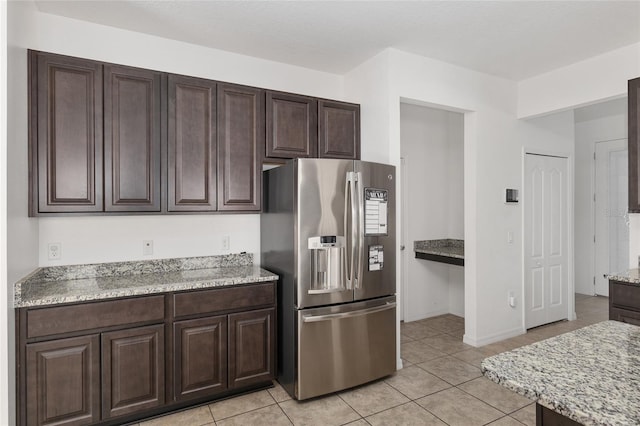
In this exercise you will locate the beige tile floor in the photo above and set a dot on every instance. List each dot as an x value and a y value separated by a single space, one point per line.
440 384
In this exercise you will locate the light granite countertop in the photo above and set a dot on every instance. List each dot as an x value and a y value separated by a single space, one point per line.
590 375
632 276
78 283
444 247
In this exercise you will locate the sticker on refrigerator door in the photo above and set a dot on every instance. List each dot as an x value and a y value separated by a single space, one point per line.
376 258
375 211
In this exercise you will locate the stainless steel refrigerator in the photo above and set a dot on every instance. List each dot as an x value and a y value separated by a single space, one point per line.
328 231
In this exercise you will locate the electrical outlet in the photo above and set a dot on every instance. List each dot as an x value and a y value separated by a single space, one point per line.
147 247
225 242
55 251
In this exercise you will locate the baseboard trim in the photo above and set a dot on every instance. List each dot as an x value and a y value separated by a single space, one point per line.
493 338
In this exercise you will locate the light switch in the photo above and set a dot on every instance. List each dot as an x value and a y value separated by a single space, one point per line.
510 237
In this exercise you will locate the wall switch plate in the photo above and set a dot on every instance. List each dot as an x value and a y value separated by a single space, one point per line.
226 243
510 237
147 247
55 251
512 299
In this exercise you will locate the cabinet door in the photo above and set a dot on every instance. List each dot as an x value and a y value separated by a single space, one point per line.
63 381
338 130
132 370
66 134
251 347
132 139
192 144
634 145
240 145
292 123
200 357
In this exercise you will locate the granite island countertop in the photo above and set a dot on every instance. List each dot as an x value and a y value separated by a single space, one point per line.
590 375
631 276
442 250
79 283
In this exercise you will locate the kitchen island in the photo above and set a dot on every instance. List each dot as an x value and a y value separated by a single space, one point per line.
589 376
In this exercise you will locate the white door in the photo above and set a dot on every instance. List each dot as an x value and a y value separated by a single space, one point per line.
611 218
546 240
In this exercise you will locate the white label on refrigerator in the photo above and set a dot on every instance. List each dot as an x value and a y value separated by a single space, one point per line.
375 211
376 258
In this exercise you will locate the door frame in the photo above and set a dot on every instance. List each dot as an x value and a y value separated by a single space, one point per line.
569 157
594 188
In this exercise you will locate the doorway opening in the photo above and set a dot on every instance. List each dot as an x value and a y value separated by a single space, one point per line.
611 206
432 162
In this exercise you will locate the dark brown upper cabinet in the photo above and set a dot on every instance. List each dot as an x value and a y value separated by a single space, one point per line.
338 130
132 139
65 134
191 144
634 144
106 138
292 122
241 123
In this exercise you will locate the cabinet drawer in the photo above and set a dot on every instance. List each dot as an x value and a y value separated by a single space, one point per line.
623 315
87 316
624 295
224 299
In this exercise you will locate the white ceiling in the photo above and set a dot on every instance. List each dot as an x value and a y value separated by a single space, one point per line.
511 39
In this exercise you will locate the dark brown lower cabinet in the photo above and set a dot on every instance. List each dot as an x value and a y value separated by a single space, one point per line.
132 370
63 381
200 357
251 336
547 417
219 342
624 302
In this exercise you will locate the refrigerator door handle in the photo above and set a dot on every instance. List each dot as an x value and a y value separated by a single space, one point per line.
360 231
328 317
348 207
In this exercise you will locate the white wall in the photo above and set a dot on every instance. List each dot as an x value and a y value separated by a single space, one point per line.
432 152
596 79
600 122
491 162
6 400
100 239
21 231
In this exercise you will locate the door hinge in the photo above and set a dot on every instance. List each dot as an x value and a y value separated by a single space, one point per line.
594 282
594 240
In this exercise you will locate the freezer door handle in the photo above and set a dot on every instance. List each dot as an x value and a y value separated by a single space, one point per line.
328 317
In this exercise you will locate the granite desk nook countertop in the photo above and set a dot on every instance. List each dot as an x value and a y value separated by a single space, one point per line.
78 283
444 250
590 375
